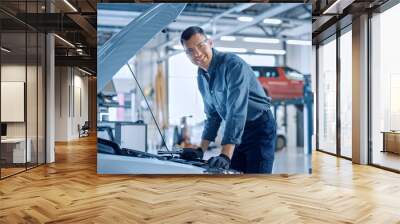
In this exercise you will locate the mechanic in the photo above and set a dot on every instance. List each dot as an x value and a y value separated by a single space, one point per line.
231 92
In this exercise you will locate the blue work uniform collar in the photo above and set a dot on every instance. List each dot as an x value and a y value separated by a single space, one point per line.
213 62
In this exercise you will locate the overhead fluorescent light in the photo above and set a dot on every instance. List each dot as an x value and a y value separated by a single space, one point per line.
245 19
338 6
270 51
262 40
305 15
65 41
232 49
228 38
70 5
5 50
177 47
84 71
272 21
299 42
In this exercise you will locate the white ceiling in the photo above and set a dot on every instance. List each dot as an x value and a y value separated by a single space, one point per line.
296 21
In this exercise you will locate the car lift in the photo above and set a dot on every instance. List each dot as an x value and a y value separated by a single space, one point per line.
307 104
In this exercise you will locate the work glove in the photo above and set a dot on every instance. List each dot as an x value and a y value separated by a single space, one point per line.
221 161
192 154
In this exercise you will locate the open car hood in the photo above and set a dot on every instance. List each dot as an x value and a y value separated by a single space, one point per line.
121 47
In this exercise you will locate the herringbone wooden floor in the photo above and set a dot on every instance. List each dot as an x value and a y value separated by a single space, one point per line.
70 191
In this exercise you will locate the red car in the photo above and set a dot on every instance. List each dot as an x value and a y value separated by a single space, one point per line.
280 83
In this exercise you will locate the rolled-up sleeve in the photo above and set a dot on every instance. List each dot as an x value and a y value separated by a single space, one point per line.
212 123
237 79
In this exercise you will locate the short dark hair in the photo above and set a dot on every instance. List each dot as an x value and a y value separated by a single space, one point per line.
190 31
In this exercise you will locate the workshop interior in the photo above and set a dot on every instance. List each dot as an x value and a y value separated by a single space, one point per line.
49 92
149 104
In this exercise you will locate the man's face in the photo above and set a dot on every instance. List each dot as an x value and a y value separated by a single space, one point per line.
198 49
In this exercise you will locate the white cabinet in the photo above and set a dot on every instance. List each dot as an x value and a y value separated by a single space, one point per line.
131 135
18 149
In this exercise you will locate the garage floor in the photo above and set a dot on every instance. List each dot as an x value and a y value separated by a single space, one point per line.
288 160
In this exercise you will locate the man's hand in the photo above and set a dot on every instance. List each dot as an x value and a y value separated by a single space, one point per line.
228 150
192 154
221 161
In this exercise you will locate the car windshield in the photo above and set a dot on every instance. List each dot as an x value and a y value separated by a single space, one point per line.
293 74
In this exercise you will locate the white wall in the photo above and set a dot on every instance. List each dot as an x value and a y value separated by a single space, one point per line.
61 103
14 73
298 58
79 117
145 71
70 83
184 98
33 126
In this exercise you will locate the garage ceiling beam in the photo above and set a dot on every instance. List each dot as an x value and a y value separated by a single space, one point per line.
281 8
184 21
238 8
298 31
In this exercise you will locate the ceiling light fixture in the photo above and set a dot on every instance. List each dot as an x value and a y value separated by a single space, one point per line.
245 19
232 49
270 51
65 41
70 5
5 50
84 71
299 42
262 40
337 7
228 38
305 15
272 21
177 47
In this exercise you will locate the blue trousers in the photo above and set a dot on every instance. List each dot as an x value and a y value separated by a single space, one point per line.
255 154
